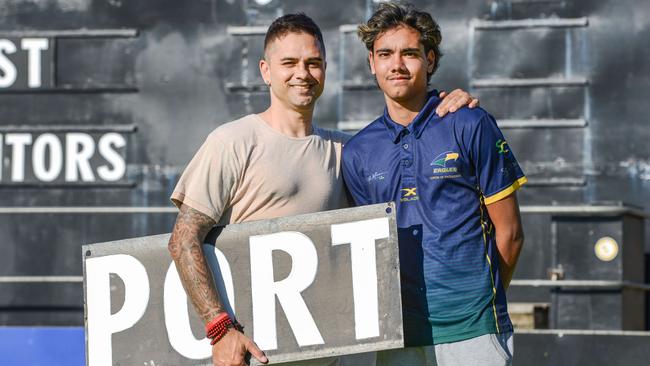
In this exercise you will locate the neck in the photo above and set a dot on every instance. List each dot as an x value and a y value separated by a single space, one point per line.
404 111
289 122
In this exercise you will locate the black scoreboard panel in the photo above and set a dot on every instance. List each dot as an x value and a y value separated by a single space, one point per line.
102 103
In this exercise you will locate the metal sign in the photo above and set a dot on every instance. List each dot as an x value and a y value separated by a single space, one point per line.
26 63
303 287
52 157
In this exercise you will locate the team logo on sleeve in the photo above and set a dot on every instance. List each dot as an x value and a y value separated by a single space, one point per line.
502 146
444 165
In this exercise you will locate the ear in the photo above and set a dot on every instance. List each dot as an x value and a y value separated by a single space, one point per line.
265 71
371 62
431 59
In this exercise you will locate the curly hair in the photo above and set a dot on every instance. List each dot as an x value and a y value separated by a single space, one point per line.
390 15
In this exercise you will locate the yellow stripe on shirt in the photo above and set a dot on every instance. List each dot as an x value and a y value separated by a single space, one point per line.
506 191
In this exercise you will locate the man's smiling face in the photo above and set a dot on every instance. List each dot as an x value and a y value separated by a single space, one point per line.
294 65
400 64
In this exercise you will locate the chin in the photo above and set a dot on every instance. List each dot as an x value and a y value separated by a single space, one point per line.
398 95
303 103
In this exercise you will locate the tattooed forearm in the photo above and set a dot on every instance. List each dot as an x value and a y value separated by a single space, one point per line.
185 248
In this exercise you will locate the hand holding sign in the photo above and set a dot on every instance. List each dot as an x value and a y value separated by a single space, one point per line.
231 350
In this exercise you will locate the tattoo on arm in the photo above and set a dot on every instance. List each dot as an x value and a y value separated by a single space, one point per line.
185 247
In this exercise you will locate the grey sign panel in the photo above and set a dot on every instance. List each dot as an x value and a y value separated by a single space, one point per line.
303 287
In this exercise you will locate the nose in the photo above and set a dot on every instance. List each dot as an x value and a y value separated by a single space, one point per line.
397 63
302 71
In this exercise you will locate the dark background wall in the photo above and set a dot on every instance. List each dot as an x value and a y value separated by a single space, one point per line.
568 85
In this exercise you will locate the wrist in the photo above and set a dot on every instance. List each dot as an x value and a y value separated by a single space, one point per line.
218 327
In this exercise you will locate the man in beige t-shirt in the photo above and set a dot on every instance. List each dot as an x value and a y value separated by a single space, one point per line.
262 166
246 170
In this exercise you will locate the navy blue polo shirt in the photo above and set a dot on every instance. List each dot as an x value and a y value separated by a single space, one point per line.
441 173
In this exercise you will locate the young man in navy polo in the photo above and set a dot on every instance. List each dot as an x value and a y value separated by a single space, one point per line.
453 179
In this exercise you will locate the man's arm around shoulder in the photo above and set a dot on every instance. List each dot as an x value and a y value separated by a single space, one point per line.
185 247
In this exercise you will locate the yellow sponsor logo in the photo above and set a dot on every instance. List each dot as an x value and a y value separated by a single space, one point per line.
409 194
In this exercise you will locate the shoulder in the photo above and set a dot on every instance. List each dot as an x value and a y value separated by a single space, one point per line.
365 136
236 129
469 117
335 136
230 141
235 133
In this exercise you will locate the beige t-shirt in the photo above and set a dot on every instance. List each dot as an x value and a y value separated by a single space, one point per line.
245 170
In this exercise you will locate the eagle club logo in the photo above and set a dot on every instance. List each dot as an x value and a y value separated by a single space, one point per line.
444 165
442 159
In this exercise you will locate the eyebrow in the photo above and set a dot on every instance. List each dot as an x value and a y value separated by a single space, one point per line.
410 49
296 59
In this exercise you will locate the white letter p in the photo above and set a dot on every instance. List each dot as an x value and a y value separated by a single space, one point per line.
101 324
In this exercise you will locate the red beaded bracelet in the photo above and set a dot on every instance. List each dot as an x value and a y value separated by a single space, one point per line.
217 328
218 335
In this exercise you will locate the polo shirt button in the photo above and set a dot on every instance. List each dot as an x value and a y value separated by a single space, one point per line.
405 146
407 163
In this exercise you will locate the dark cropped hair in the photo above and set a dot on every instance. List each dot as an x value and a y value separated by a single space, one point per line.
391 15
293 23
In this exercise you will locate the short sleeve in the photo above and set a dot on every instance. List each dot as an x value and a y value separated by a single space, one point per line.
353 179
497 170
209 180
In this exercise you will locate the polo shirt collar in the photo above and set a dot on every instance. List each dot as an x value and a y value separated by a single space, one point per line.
396 131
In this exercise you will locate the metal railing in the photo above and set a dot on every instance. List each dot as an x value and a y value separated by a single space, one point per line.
581 284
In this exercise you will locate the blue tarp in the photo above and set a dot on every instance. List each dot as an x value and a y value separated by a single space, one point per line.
47 346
